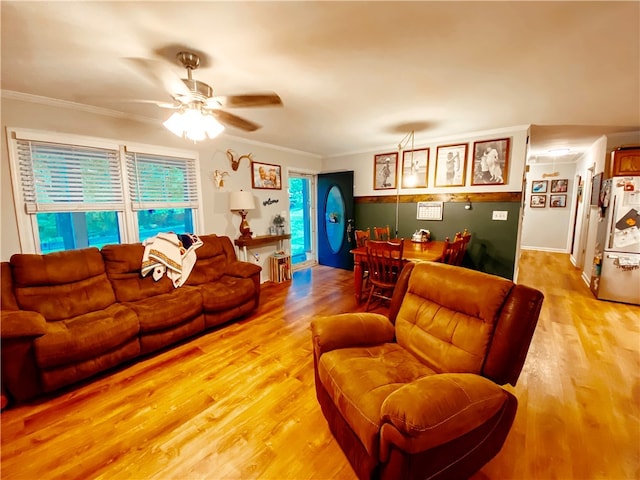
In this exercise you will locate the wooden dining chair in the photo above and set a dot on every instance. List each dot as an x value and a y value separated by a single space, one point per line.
465 238
362 236
382 233
451 251
384 260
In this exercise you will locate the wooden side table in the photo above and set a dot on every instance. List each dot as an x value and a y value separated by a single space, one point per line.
243 243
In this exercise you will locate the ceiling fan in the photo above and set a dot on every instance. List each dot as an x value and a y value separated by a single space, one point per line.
194 96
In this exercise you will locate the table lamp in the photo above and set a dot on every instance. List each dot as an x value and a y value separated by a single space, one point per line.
242 202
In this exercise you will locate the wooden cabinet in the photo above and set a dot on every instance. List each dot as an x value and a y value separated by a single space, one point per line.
626 162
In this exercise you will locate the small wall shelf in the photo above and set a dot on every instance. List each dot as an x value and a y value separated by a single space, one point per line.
243 243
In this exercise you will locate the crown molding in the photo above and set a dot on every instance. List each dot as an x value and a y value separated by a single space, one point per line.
80 107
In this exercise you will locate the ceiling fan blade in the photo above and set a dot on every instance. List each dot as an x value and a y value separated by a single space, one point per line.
160 74
234 121
160 104
248 100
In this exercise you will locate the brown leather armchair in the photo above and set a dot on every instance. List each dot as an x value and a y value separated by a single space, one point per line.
417 394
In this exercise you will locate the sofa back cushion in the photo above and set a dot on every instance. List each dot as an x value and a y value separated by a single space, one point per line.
61 285
7 297
123 264
448 316
213 256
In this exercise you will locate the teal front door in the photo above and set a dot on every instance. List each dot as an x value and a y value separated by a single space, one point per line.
335 219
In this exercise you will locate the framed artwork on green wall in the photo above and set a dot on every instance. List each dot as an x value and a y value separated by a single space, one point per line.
451 165
385 168
490 162
415 166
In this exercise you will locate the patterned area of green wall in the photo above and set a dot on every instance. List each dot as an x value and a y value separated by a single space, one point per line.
493 242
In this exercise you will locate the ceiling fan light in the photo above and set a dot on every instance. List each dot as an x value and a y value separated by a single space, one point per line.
212 127
175 124
193 124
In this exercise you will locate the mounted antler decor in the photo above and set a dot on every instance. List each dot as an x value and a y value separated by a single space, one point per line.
218 178
236 163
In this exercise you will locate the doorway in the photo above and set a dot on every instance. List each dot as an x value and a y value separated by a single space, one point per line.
335 219
302 208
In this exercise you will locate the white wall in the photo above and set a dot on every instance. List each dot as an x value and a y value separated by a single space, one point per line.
46 115
547 228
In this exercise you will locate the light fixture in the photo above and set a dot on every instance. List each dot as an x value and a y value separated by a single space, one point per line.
193 124
411 179
242 202
468 206
558 152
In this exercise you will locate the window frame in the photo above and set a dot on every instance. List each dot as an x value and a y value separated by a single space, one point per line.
27 224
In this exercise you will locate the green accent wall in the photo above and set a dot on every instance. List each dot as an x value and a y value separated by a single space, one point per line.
493 242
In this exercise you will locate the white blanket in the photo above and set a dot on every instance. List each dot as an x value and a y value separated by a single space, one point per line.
171 254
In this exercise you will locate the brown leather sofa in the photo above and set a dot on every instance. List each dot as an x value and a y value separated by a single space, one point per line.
417 394
69 315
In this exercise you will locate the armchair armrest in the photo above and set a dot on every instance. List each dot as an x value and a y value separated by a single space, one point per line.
21 323
350 330
240 269
436 409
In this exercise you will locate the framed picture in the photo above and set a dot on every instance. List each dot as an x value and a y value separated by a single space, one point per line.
266 176
415 166
385 168
539 186
559 186
558 201
491 162
538 201
451 165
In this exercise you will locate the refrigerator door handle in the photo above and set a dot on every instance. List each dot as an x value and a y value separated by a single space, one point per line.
612 225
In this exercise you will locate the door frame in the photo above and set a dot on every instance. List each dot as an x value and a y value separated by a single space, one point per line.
313 201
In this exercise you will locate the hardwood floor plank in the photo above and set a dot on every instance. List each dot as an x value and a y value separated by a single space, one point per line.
239 402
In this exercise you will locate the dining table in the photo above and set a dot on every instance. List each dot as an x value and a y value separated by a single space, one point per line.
430 251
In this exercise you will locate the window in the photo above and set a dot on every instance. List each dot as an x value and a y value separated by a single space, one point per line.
164 193
74 192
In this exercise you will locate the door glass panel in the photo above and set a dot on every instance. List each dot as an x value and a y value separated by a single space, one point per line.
300 214
334 218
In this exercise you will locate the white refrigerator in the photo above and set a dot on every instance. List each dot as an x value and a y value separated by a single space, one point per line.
616 264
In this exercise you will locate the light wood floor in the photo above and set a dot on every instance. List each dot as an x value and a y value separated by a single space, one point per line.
239 402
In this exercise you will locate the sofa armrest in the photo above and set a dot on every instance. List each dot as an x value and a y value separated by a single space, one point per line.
436 409
21 323
350 330
240 269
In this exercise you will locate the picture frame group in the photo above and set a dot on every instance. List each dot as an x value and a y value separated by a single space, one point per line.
490 166
557 190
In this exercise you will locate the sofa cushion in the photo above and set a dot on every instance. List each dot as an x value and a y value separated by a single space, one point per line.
212 260
62 285
123 263
168 309
359 379
227 292
85 336
448 316
439 408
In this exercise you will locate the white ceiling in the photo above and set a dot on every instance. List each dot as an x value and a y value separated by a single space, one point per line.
353 76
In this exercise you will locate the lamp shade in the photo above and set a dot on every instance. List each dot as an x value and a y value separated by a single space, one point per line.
241 200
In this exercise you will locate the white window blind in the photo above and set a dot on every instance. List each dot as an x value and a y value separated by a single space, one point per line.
57 177
160 181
